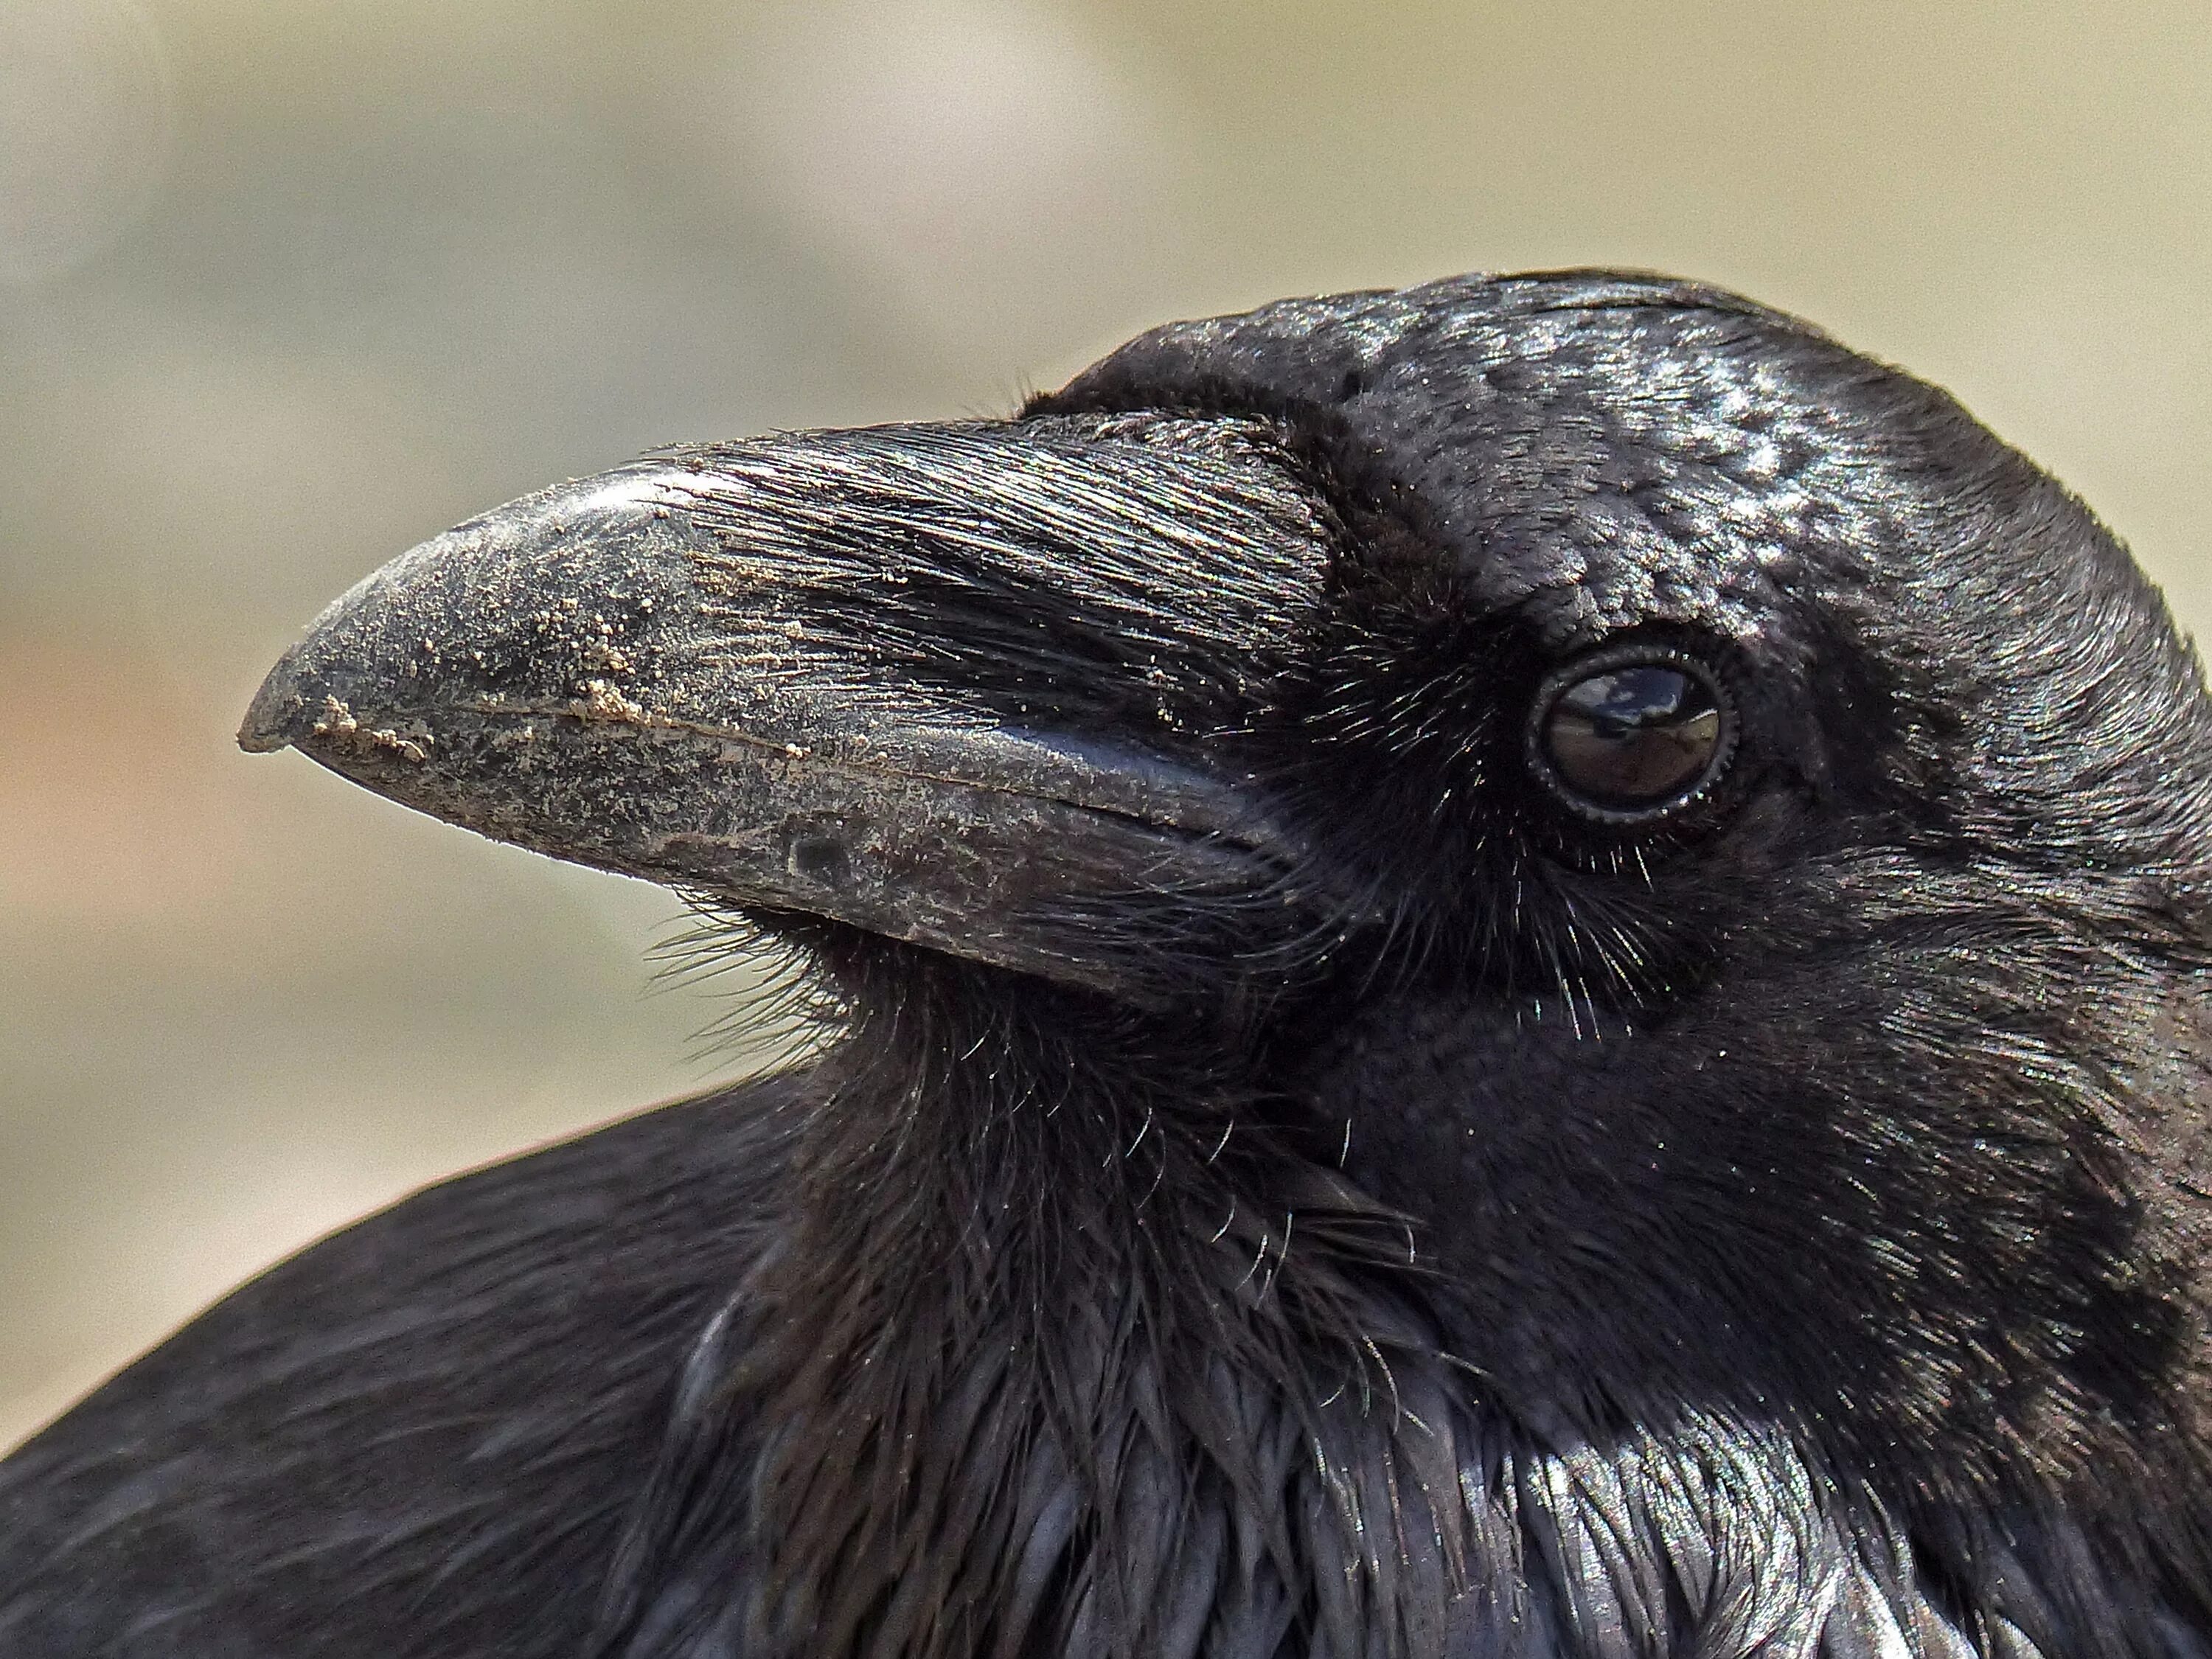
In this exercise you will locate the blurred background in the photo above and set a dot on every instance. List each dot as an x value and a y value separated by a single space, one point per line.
287 285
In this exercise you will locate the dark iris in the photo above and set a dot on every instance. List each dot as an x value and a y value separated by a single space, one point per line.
1635 737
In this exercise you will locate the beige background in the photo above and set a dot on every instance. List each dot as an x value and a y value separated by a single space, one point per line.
286 286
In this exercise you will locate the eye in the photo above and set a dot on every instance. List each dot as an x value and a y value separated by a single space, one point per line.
1630 734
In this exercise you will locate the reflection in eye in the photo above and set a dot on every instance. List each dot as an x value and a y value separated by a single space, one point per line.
1635 738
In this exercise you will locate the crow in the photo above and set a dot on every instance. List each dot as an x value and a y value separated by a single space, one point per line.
1515 969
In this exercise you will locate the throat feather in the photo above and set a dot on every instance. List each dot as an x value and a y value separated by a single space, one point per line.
1067 1351
1066 1315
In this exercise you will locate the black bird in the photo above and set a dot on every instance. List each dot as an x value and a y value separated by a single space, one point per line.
1522 970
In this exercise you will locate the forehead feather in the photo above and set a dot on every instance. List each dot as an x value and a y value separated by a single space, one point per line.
1596 452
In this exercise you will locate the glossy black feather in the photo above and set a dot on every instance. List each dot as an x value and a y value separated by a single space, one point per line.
419 1436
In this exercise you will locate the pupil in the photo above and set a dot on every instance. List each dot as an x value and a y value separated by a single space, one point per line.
1634 737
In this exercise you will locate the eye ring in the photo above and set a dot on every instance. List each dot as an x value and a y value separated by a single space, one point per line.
1632 732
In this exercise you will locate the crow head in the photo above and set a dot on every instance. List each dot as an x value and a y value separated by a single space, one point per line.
1523 971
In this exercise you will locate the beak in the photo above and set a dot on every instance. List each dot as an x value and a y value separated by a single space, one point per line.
792 674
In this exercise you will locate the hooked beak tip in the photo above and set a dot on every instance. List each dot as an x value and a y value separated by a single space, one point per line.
273 721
